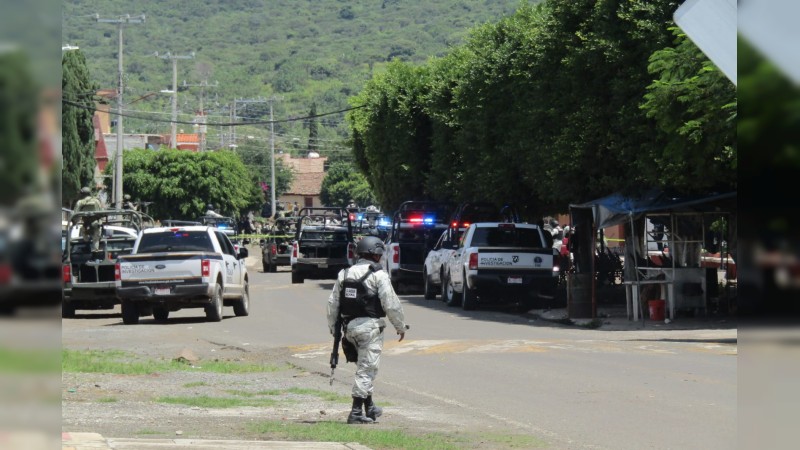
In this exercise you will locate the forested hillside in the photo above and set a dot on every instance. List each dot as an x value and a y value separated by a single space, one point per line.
307 52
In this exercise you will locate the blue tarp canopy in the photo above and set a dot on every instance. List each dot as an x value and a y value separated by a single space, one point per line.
617 208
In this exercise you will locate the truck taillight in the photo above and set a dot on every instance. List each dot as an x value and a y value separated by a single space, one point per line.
351 251
294 250
6 272
205 268
274 250
396 254
473 261
66 273
117 272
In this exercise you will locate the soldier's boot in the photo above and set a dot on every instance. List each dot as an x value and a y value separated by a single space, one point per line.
373 411
357 413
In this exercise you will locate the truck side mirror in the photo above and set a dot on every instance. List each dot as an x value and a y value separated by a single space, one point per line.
243 253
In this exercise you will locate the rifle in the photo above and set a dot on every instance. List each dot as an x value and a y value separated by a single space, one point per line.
337 338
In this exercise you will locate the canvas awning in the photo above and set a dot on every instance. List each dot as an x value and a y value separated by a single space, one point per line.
617 209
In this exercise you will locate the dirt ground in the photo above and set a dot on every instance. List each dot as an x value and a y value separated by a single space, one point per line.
128 406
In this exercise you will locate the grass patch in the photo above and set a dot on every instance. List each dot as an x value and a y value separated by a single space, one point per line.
124 363
28 361
513 440
365 435
147 432
327 396
217 402
107 400
195 384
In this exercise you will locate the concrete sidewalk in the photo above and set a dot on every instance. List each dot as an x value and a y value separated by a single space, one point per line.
92 441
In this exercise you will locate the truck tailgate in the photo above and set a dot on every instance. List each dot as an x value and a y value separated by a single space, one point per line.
162 266
514 259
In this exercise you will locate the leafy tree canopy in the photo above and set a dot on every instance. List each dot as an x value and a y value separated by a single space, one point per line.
344 182
180 184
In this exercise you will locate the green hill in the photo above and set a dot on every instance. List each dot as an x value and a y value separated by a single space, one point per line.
305 51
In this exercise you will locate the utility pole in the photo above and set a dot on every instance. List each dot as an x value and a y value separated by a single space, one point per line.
121 21
235 116
203 85
174 127
272 153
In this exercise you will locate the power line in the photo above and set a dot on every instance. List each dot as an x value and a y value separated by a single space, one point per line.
216 124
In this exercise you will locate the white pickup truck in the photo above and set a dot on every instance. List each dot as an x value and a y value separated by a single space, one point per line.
171 268
500 263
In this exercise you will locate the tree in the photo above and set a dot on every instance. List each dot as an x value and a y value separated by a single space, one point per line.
257 161
77 129
18 136
343 182
694 106
180 184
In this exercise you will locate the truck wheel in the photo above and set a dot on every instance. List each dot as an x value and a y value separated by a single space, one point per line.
430 293
67 310
297 278
161 314
130 312
273 267
214 310
241 307
452 298
470 300
265 266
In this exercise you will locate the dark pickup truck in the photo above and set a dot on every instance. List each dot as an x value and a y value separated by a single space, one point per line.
323 244
416 226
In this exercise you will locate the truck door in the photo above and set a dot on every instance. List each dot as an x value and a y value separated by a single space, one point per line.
232 267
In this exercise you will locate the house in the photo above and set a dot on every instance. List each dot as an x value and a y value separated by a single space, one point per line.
307 183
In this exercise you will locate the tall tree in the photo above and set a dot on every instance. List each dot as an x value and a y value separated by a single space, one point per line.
18 114
694 106
181 183
77 129
344 182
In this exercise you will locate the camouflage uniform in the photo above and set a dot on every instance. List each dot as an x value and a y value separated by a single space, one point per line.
91 225
364 332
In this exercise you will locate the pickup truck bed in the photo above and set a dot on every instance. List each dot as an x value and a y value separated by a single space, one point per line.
482 273
182 267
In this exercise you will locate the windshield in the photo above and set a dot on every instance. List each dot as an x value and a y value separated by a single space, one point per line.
507 237
176 241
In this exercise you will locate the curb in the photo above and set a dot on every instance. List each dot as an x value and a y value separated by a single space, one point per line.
91 441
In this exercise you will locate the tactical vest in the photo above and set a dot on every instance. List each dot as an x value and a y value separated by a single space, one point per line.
356 301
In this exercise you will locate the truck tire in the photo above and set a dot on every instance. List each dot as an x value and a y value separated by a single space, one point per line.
470 298
273 267
429 292
130 312
452 298
214 310
67 310
265 266
161 314
241 307
297 278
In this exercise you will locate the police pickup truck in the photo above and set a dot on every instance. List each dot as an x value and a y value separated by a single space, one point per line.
465 214
500 263
323 244
171 268
416 226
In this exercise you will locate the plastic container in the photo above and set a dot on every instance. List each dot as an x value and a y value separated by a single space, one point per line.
657 308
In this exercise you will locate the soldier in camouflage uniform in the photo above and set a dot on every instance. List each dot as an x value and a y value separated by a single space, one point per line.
363 296
91 224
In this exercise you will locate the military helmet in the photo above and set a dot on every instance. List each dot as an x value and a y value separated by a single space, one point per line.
126 196
370 245
86 190
210 206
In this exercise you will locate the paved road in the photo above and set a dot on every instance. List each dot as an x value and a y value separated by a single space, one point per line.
575 388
